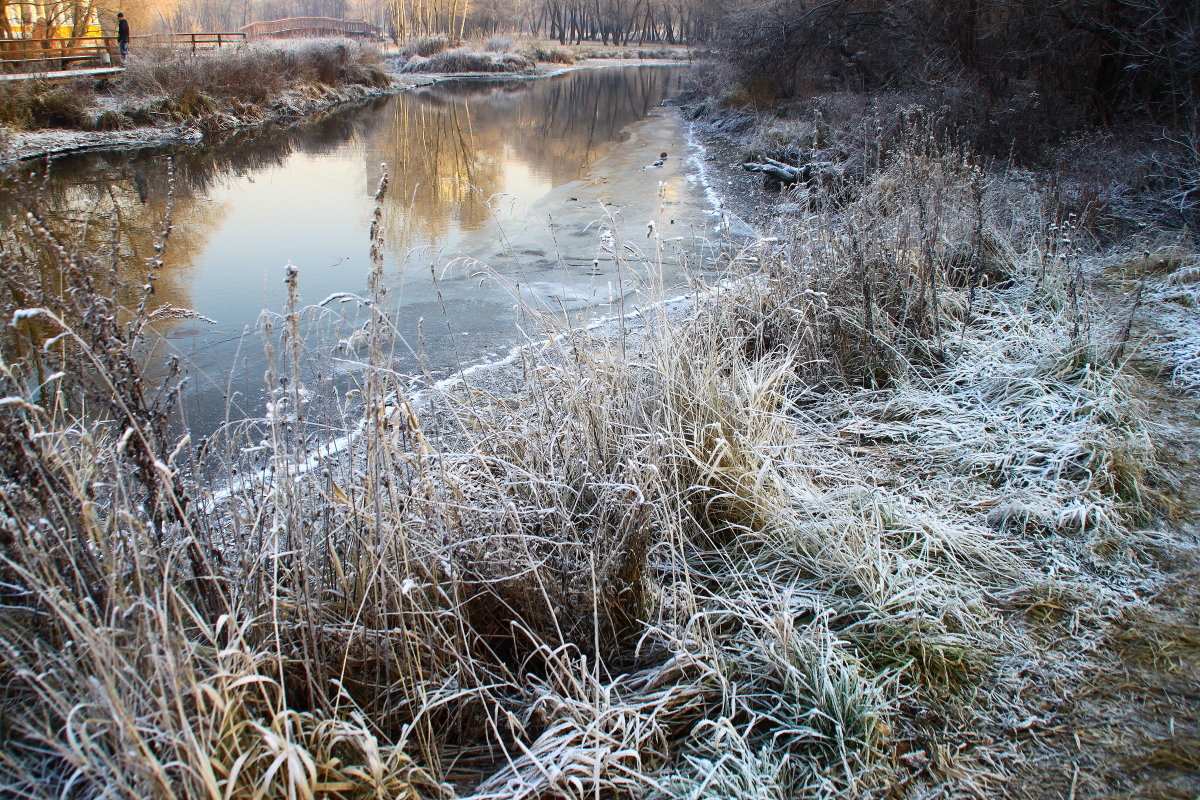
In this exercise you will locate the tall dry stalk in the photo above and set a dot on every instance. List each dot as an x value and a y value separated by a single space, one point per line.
717 557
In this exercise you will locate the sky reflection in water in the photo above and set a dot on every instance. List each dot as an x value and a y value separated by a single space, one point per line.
499 189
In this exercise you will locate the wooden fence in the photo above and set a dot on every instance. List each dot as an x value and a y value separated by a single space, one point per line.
96 56
188 42
46 55
300 27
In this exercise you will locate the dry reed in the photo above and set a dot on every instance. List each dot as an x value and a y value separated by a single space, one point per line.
720 560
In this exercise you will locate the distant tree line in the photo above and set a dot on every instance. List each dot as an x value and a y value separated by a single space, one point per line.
624 21
615 22
1095 58
1103 57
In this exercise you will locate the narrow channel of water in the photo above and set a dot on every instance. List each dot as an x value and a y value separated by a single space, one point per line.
505 194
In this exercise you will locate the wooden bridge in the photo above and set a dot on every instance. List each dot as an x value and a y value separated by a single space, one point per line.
301 27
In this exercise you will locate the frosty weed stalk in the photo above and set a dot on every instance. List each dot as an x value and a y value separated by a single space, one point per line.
725 559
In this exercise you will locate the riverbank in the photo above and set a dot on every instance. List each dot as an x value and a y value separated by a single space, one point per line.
219 118
883 510
161 99
291 105
1024 527
1081 686
969 562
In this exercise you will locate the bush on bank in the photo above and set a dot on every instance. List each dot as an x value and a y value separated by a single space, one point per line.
461 60
159 87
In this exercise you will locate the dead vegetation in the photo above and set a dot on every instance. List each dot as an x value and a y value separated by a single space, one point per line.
468 60
802 542
35 104
549 54
506 53
171 88
253 73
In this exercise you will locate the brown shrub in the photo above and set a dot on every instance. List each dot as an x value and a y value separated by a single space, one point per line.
254 74
110 120
35 104
466 61
425 47
550 55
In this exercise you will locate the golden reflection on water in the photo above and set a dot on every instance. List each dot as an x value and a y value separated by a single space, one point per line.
462 152
116 215
468 161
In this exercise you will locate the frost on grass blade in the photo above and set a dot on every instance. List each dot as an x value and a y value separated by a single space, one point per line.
169 312
339 297
21 403
22 314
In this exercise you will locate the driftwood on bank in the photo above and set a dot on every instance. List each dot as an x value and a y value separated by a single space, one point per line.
784 173
809 173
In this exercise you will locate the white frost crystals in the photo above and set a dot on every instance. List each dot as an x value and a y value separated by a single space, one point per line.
23 314
1173 282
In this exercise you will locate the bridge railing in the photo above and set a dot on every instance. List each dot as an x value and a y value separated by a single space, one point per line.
66 53
295 27
60 53
189 42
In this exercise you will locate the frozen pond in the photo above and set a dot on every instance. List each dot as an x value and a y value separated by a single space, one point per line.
505 196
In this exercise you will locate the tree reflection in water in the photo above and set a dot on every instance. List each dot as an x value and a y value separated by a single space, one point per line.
455 143
117 200
460 153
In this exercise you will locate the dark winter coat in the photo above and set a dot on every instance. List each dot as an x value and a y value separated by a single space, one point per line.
122 30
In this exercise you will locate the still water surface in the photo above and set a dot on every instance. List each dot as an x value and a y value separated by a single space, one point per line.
504 195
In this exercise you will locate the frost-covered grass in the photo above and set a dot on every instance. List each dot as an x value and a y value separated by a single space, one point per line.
245 77
169 86
464 59
1172 286
770 549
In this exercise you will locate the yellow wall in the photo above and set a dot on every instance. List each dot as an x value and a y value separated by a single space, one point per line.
21 31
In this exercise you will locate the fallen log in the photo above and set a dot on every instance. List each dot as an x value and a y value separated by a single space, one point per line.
784 173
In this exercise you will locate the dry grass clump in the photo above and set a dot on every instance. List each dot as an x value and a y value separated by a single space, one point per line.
615 51
28 105
465 60
1170 279
549 54
425 46
194 86
498 44
721 559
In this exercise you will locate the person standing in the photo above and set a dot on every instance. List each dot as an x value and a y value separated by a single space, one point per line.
123 35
